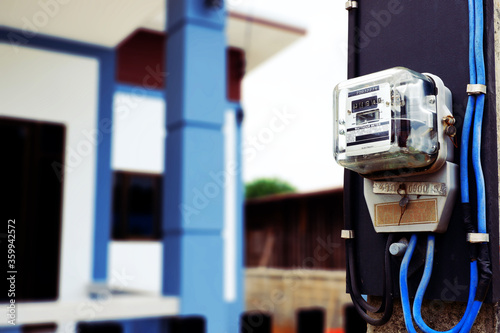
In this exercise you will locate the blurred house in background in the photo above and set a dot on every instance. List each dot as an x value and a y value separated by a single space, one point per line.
115 223
295 258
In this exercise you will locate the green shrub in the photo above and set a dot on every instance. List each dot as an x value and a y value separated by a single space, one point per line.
267 186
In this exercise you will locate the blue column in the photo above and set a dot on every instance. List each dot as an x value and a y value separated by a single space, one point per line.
193 196
103 199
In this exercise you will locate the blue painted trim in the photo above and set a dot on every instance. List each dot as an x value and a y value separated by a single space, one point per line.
140 91
104 174
193 123
106 86
191 232
18 38
234 106
10 329
195 21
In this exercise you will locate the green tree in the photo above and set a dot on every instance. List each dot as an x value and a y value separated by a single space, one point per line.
267 186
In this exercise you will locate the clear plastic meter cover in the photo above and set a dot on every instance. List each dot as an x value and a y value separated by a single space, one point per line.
385 124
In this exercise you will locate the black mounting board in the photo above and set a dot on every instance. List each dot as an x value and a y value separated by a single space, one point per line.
428 37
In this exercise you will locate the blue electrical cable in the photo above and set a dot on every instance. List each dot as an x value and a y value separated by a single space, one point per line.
471 318
478 118
476 148
476 163
477 75
464 151
417 304
403 284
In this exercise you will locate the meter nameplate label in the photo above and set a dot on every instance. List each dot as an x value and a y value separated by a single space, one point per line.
415 188
416 212
368 120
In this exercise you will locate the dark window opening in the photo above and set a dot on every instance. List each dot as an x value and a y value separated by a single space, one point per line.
136 206
31 197
100 327
39 328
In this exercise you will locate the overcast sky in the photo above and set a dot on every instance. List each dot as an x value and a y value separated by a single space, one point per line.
296 84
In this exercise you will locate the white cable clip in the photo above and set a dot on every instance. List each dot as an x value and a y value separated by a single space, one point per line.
347 234
476 237
351 5
476 89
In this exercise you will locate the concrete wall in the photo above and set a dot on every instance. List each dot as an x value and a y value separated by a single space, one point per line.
281 292
58 87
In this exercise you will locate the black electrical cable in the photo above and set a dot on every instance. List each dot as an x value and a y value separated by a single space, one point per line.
353 285
387 303
469 227
485 273
351 180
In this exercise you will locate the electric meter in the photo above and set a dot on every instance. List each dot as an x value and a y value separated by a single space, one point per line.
395 128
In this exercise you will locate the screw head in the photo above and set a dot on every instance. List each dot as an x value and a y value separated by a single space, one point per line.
449 120
341 132
450 130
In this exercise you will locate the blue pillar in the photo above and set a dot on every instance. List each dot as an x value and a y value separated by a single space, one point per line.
103 198
193 195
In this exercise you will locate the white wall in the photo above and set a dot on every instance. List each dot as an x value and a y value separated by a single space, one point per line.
57 87
138 132
140 261
138 145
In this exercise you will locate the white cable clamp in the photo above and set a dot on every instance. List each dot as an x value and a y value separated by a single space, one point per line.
476 89
347 234
476 237
351 5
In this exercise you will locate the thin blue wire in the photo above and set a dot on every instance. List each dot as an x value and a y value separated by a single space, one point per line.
417 304
403 284
476 163
478 42
464 152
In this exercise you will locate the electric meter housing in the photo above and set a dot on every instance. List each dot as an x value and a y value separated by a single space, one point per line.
390 124
390 127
